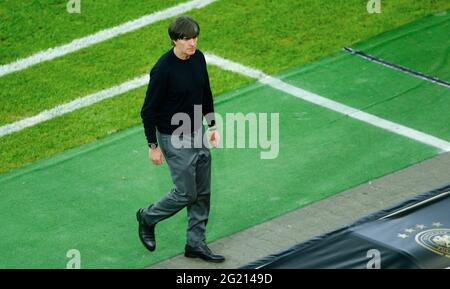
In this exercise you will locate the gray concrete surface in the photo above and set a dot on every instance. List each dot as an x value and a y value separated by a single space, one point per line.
322 217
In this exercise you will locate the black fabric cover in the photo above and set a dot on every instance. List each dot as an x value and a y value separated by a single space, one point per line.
413 234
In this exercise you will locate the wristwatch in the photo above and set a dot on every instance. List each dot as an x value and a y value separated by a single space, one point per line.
153 145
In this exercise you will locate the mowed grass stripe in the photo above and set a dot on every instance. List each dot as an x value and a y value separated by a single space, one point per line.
88 124
32 26
100 36
107 64
74 105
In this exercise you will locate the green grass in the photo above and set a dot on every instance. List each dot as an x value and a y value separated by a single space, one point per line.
31 26
269 35
83 126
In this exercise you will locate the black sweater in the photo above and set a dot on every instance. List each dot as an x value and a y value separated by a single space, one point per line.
175 85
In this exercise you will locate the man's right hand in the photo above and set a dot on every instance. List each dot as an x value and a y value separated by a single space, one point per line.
155 155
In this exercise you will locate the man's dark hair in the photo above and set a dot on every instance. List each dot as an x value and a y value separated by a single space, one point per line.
183 27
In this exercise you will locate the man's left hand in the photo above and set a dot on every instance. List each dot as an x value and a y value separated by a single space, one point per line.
214 138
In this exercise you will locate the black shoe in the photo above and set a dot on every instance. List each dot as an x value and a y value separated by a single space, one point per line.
146 233
203 252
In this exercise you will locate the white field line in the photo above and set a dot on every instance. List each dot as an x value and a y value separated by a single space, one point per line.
100 36
330 104
74 105
244 70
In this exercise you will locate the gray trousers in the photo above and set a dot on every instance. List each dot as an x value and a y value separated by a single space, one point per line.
190 169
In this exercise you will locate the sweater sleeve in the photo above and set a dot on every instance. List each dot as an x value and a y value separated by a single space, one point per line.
156 93
208 103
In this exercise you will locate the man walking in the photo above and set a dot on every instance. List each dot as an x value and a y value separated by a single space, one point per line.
179 84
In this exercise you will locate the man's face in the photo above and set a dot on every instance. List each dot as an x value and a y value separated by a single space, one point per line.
186 46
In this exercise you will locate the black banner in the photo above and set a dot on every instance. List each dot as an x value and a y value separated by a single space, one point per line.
414 234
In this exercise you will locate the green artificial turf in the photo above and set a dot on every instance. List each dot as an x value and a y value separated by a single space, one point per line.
268 35
86 198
